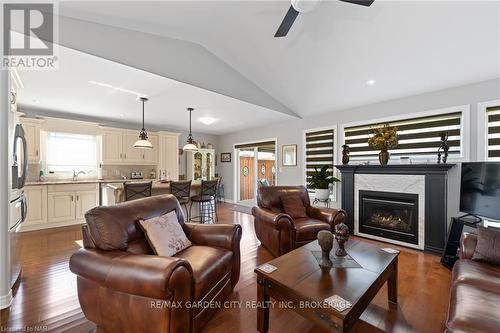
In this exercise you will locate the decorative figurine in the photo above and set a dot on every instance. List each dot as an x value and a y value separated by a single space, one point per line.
345 154
325 240
444 147
341 236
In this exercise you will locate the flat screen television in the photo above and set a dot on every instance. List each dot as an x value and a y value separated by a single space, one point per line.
480 189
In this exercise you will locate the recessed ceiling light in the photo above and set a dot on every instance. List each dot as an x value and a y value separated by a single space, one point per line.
207 120
371 82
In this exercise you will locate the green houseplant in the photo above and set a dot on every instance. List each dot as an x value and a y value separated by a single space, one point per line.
321 180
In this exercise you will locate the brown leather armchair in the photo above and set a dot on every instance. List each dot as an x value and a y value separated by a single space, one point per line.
278 232
474 304
124 287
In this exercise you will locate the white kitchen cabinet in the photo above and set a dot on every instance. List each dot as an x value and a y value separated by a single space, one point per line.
36 197
200 164
168 155
85 201
112 147
150 156
61 206
118 148
32 129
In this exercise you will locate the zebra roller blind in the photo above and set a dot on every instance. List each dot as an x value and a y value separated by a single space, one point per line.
319 151
418 137
493 114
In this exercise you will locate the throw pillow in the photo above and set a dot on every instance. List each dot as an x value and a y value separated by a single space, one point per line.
165 235
488 246
293 206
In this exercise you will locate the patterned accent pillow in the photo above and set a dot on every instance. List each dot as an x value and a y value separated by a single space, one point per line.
165 235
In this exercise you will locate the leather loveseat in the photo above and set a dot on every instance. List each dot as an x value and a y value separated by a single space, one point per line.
124 287
475 293
278 231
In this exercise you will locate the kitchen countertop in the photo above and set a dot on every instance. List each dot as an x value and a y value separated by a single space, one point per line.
90 181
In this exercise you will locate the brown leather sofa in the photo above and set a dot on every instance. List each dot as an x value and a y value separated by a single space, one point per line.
124 287
475 293
278 232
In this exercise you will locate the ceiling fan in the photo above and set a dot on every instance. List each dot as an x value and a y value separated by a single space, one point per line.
304 6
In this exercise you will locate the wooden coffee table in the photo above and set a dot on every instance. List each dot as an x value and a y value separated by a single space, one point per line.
300 281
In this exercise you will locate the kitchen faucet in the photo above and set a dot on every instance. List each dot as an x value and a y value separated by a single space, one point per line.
76 174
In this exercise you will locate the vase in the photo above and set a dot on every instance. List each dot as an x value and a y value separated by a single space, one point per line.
383 157
322 194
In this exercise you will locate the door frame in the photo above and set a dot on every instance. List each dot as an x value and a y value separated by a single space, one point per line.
236 168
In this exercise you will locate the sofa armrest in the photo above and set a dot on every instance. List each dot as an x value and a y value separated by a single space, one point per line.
277 220
142 275
226 236
468 244
328 215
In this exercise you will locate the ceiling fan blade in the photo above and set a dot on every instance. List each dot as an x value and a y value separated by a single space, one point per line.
366 3
290 17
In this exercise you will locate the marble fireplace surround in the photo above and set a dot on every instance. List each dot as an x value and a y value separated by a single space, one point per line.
412 184
428 181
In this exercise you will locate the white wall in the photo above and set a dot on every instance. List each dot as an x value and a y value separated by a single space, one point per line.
291 132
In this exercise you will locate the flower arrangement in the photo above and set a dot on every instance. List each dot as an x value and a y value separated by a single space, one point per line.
384 137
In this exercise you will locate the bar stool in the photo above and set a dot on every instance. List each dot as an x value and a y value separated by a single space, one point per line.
207 202
135 191
182 191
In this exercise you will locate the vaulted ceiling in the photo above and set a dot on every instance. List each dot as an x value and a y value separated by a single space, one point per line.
323 65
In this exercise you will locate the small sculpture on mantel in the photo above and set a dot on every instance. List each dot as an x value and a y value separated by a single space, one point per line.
341 236
325 240
443 148
345 154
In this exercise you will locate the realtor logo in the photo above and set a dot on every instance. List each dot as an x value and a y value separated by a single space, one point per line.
28 35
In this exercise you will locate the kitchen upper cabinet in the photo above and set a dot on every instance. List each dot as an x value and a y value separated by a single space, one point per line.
112 147
37 205
118 148
85 201
32 129
168 156
61 206
150 156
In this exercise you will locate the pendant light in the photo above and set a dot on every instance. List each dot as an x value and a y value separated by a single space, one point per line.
143 142
190 146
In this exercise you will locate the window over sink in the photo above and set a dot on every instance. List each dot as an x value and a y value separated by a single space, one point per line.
67 152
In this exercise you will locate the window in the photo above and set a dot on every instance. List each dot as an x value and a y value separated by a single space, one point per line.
419 138
67 152
319 151
493 145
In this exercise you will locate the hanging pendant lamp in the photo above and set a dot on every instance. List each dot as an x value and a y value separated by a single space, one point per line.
143 142
190 146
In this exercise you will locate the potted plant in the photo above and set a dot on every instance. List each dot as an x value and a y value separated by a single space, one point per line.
321 180
383 138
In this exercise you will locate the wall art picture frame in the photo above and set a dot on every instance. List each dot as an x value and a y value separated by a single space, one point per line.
225 157
289 155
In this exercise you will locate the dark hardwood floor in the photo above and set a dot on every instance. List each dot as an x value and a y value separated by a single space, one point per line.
46 298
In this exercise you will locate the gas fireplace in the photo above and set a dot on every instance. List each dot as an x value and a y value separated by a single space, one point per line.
389 215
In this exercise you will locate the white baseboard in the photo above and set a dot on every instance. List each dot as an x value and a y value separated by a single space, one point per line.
41 226
229 201
6 300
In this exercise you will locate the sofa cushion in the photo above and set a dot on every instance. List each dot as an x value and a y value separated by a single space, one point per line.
488 246
293 206
307 228
210 265
473 309
474 272
165 235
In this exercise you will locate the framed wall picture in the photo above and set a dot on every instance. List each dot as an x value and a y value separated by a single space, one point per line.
289 155
225 157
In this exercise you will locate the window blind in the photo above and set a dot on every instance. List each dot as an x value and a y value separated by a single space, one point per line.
493 114
67 152
418 137
319 151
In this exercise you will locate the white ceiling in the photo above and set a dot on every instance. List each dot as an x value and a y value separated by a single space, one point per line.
79 87
408 47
